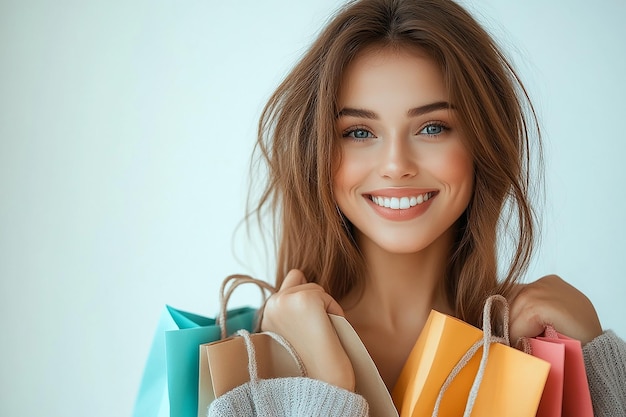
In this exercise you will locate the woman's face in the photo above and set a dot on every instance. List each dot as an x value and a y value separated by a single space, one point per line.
405 175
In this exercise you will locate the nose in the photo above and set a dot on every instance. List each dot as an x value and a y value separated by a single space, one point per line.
397 159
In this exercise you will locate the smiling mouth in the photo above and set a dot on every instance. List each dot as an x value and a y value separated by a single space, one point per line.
401 203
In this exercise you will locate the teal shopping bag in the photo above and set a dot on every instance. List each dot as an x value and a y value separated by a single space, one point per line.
169 386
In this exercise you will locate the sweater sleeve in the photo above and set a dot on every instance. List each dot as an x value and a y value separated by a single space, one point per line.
605 362
294 396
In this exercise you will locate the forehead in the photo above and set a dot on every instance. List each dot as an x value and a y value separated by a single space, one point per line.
387 72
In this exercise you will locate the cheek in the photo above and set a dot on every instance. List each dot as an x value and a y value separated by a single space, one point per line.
350 169
455 166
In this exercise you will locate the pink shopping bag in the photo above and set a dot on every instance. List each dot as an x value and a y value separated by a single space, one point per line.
567 390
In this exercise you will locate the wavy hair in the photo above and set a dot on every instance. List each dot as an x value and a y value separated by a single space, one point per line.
297 142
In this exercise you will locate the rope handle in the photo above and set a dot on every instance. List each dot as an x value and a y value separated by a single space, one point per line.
252 360
523 343
485 343
226 291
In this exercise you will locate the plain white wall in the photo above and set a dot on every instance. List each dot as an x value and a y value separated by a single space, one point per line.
125 134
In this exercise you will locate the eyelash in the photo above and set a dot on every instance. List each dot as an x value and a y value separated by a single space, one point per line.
349 133
444 128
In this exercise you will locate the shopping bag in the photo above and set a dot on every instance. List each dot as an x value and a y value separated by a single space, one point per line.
204 387
551 402
250 358
224 366
567 389
169 383
368 381
181 347
455 369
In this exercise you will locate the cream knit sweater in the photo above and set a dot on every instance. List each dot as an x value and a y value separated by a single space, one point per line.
605 361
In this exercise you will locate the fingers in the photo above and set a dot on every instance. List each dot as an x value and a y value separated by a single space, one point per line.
296 282
299 313
528 311
552 301
525 318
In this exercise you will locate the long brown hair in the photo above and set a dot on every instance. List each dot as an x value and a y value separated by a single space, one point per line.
297 139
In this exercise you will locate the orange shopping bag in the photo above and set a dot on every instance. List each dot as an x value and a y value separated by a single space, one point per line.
567 389
455 369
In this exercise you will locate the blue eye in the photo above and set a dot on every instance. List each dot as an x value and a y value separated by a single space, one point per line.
433 130
358 134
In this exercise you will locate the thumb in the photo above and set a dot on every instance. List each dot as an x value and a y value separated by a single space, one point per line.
332 306
525 327
294 278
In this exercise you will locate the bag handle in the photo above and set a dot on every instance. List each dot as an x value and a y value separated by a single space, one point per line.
252 365
523 343
485 343
226 292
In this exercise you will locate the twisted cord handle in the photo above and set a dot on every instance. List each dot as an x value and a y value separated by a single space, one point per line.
523 343
252 363
226 292
485 343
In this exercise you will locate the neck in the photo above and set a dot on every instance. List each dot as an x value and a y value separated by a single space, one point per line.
400 289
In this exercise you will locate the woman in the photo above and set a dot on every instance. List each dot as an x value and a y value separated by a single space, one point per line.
396 148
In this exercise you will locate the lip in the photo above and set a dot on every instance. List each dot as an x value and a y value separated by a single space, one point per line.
400 215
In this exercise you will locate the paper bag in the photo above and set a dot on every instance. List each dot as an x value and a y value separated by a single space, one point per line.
511 385
552 398
369 383
169 386
224 366
567 390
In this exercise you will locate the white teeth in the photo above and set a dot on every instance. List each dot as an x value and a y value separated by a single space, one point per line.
401 203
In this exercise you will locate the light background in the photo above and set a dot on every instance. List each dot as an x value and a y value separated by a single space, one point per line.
125 135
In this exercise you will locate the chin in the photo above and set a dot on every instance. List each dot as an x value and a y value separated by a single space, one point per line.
408 241
404 247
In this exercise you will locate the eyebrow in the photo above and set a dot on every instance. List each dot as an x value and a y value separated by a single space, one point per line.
414 112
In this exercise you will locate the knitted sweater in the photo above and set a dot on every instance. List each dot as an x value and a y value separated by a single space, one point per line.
293 397
605 362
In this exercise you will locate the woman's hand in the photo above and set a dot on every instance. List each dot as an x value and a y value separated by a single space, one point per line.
299 312
550 300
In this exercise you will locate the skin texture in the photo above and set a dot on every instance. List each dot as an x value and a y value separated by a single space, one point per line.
394 151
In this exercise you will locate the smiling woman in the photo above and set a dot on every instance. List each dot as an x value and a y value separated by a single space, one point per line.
122 175
399 149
